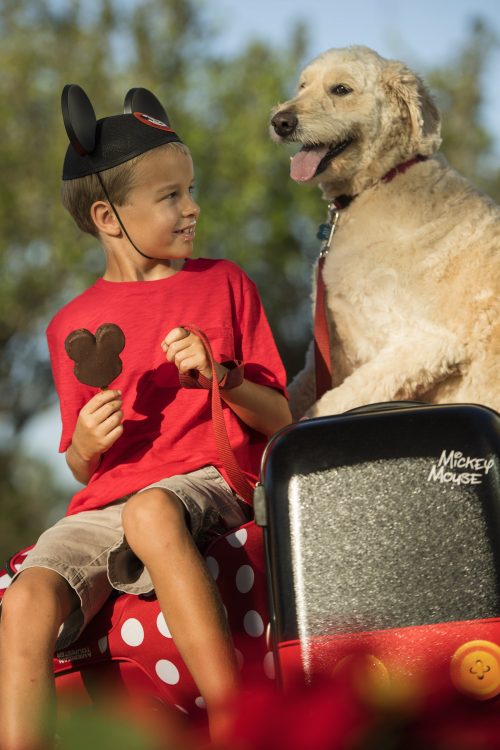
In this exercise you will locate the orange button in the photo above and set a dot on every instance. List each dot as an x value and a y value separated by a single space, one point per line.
367 673
475 669
378 686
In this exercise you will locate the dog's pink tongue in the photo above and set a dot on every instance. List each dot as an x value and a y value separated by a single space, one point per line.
304 164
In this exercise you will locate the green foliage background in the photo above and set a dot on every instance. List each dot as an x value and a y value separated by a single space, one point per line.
251 211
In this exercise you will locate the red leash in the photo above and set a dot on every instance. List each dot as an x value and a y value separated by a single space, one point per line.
322 355
237 478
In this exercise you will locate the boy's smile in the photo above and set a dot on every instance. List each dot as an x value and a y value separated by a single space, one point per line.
188 232
160 214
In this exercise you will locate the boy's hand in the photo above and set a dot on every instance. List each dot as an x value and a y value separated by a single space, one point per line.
99 425
187 351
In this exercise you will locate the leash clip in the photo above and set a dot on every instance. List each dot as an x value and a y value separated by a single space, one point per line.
327 230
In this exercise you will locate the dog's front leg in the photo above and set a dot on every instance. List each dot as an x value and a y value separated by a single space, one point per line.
302 389
396 373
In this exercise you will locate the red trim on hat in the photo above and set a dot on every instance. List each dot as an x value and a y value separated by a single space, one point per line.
152 121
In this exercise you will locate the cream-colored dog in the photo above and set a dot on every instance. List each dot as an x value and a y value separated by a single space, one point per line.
412 275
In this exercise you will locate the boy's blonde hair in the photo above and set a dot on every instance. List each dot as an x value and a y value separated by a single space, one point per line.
80 194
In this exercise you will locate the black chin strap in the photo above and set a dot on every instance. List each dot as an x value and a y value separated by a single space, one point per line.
148 257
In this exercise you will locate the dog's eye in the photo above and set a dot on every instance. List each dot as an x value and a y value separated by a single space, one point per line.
340 89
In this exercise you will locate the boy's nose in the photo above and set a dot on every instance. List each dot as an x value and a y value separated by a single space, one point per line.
191 208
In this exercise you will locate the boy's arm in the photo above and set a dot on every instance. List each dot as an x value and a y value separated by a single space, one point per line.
261 407
99 425
81 468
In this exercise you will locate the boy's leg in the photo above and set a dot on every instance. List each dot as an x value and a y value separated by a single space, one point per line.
155 527
33 609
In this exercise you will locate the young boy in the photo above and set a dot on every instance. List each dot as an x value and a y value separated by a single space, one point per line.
155 486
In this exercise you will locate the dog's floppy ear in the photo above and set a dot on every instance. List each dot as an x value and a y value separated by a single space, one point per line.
411 93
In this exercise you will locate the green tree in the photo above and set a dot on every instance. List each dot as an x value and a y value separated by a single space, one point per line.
38 49
29 497
466 143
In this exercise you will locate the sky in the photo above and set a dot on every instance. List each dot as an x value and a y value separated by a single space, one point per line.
424 34
429 28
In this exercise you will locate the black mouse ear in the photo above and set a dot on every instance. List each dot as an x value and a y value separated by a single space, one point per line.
142 100
79 118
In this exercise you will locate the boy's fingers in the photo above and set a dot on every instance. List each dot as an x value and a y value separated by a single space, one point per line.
114 420
178 349
184 364
113 435
176 334
101 398
106 410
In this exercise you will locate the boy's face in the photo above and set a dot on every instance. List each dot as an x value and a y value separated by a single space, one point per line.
160 213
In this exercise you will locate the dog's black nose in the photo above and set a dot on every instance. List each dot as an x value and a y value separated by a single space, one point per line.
284 123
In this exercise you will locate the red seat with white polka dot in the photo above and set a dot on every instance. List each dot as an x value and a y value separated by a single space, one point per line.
128 645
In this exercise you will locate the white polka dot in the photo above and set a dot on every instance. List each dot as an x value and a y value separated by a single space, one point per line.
269 668
167 672
244 579
238 538
200 702
253 624
180 708
213 567
162 626
132 632
5 581
18 565
239 658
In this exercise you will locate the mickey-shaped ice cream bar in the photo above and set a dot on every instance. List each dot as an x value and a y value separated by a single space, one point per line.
97 361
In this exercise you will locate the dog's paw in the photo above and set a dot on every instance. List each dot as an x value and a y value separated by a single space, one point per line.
336 401
323 408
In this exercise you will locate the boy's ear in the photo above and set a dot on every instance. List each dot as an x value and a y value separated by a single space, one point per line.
105 219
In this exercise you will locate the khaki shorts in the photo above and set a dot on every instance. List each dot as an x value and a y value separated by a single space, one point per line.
89 550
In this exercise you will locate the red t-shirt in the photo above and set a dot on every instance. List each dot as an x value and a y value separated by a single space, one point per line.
167 429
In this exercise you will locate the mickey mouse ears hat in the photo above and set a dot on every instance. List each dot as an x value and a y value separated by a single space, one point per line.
96 145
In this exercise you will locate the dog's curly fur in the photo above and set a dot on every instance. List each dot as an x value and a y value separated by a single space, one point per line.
413 273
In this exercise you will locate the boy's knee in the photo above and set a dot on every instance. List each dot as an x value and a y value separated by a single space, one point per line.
145 511
36 590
